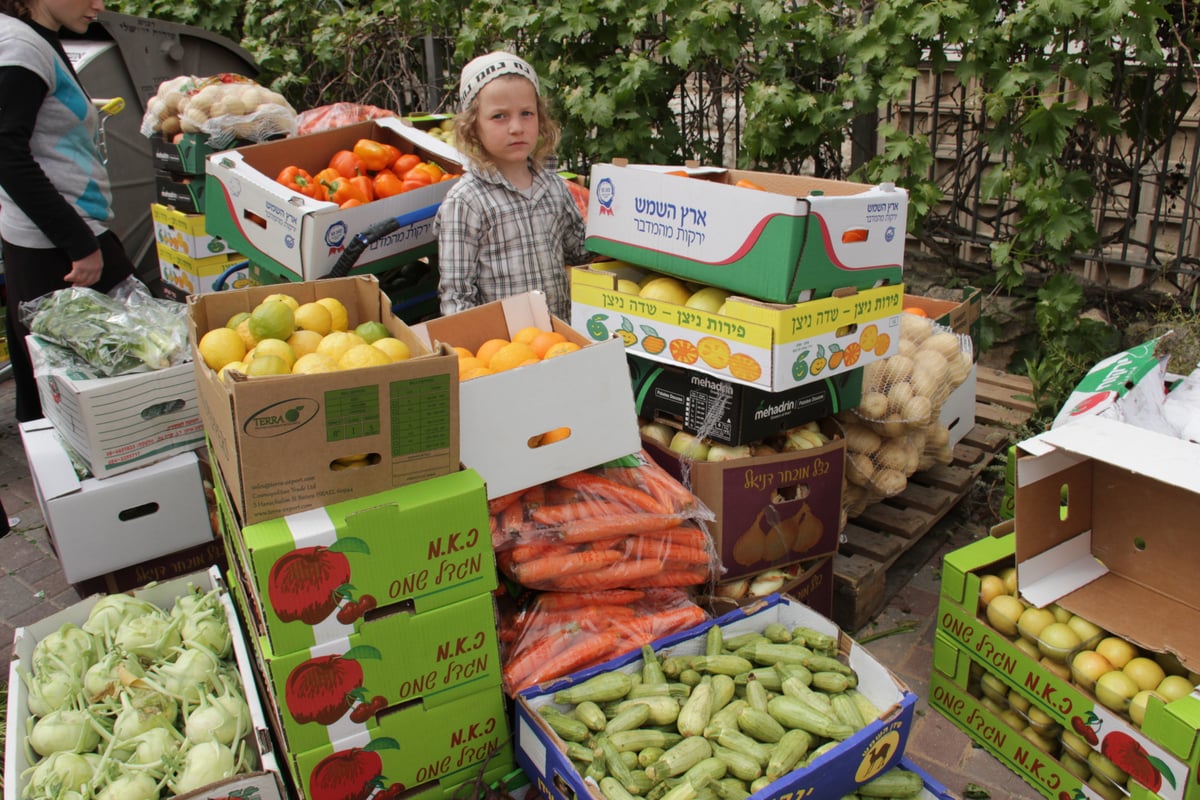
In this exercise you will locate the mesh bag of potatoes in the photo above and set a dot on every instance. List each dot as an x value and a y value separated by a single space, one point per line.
894 431
226 107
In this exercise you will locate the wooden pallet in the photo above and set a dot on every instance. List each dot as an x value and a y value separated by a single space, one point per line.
895 528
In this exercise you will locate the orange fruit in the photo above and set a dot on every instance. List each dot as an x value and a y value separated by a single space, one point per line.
556 435
882 343
474 373
527 335
683 351
867 338
920 312
714 352
467 364
511 355
489 349
544 341
463 353
527 362
744 368
562 348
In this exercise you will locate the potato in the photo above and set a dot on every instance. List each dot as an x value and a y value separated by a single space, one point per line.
894 425
917 410
915 329
898 395
859 469
861 439
873 405
944 343
889 482
907 348
936 435
896 369
170 126
960 367
893 455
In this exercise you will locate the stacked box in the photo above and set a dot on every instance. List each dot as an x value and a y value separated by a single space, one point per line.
866 754
179 171
275 439
299 238
264 782
379 653
1052 706
190 260
586 391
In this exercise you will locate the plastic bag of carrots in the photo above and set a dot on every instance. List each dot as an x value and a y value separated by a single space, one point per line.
624 524
558 633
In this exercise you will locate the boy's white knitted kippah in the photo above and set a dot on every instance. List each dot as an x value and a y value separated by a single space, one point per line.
482 70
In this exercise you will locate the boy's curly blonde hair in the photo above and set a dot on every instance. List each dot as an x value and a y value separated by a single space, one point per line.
466 140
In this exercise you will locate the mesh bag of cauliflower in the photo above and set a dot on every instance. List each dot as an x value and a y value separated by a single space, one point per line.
227 107
894 431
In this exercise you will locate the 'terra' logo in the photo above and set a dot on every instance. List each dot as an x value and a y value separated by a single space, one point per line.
605 193
335 234
281 418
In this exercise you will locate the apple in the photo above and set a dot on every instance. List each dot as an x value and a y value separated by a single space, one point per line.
1013 719
1115 689
994 688
1087 666
1028 648
1038 740
1009 576
1018 701
1003 613
1055 667
628 287
1103 765
1089 632
1076 745
1173 687
1060 613
1031 622
1058 641
1043 723
1105 788
1146 672
1137 706
1116 650
665 289
689 446
1074 765
989 587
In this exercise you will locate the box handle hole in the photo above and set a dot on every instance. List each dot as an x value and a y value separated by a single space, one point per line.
549 437
255 219
166 407
137 512
355 461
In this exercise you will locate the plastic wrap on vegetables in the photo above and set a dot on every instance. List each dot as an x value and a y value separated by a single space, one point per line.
557 633
623 524
337 115
227 107
115 335
895 431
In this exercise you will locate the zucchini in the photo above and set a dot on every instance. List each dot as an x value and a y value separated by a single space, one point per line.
757 694
846 710
705 772
724 664
652 671
729 788
734 643
817 663
568 728
831 682
778 633
598 688
768 653
769 677
786 754
723 689
714 641
643 738
579 752
759 725
793 713
895 782
612 789
865 707
734 739
696 710
617 768
680 758
660 710
591 715
724 718
634 715
814 640
741 765
648 755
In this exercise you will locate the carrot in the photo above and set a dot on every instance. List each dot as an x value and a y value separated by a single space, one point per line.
593 618
645 547
534 496
691 577
591 484
511 518
498 504
531 551
585 650
580 509
659 624
686 535
615 576
517 668
670 492
564 601
570 564
586 530
555 494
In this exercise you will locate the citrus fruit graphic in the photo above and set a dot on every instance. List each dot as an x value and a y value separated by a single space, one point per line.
744 367
684 351
714 352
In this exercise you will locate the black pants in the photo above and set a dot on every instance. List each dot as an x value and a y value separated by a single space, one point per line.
30 273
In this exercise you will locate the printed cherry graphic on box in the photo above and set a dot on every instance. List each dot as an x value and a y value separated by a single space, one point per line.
309 583
1077 794
1084 727
1129 754
324 688
352 774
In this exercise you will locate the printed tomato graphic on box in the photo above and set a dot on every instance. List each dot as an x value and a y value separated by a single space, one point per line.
324 688
353 774
309 583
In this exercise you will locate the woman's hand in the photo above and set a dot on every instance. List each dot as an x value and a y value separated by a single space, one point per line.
85 271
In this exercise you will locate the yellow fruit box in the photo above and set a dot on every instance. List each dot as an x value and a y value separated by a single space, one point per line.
185 233
767 345
283 441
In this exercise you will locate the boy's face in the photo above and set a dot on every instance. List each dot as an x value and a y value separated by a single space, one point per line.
508 120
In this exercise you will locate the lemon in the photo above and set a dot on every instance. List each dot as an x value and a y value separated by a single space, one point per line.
220 346
370 331
267 365
304 342
313 363
292 302
363 355
314 317
232 366
396 349
340 316
236 319
248 338
338 342
272 319
276 347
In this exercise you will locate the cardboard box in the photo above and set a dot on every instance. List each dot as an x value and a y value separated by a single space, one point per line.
948 694
963 316
800 239
769 346
203 276
210 553
185 233
933 790
185 157
275 438
98 526
958 410
118 424
866 754
1069 705
444 556
732 413
1133 498
429 752
786 507
264 783
811 585
301 238
436 657
182 192
586 391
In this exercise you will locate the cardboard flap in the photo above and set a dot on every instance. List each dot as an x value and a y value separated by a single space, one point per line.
55 472
1059 570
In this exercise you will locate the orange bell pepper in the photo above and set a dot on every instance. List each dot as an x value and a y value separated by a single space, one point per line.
404 163
351 203
342 189
393 153
296 179
346 163
418 175
387 183
373 154
365 187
